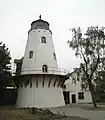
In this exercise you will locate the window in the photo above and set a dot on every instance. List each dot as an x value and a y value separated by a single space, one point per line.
30 54
44 68
43 40
83 86
54 56
80 95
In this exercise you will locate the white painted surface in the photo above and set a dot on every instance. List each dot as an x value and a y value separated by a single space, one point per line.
40 97
74 89
55 71
42 52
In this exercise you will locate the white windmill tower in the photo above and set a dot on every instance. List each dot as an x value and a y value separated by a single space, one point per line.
40 81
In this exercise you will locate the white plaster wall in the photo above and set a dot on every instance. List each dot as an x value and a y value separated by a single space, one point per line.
70 86
87 97
74 89
25 97
40 97
42 52
49 97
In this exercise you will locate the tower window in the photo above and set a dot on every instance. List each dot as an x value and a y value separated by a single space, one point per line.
54 56
43 40
30 54
80 95
44 68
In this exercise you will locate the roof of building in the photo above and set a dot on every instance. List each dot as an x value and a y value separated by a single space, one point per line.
40 20
40 24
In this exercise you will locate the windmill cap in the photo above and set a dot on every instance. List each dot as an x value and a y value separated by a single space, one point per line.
40 24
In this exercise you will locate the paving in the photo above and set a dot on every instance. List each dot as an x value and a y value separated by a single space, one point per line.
81 110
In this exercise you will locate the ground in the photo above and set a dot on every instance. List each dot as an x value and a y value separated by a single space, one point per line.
74 111
32 114
82 110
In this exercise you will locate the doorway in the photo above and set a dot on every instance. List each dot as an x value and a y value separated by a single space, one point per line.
73 98
66 97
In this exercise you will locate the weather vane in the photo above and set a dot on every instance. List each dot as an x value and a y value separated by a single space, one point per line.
39 16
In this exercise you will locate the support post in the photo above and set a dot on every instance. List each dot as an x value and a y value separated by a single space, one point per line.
37 82
59 81
43 80
50 81
55 81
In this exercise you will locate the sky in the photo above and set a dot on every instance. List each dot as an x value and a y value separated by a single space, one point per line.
17 15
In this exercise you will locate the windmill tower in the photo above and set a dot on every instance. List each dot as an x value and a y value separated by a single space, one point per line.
40 80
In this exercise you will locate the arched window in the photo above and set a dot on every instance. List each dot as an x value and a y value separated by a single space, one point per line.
44 68
30 54
43 40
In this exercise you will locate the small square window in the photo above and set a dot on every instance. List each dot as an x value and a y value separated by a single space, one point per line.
80 95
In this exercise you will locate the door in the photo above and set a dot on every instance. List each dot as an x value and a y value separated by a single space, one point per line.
66 97
73 98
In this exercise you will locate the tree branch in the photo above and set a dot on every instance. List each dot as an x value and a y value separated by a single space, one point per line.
95 67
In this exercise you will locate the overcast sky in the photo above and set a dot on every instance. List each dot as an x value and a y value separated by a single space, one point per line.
17 15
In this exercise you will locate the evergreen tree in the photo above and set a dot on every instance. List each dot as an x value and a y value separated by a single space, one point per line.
5 68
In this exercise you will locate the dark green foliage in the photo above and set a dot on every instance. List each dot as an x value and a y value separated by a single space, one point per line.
5 67
90 47
4 58
100 82
100 86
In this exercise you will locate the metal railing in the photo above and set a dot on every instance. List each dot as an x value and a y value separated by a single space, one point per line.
56 71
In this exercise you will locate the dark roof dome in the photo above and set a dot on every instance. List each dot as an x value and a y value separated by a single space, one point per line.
39 20
40 24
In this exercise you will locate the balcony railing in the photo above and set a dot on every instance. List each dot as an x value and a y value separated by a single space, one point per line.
56 71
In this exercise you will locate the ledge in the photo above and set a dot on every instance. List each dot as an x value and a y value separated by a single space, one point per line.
55 71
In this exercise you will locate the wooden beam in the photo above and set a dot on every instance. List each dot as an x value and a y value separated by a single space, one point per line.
50 80
43 80
55 81
30 81
60 80
20 81
37 81
63 81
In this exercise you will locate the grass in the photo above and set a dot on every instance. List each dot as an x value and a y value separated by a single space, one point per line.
100 106
101 103
32 114
95 109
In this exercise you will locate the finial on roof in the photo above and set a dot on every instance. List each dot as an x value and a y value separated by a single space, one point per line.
39 16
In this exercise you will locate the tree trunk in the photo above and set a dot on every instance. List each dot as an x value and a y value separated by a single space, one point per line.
0 88
91 88
93 99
